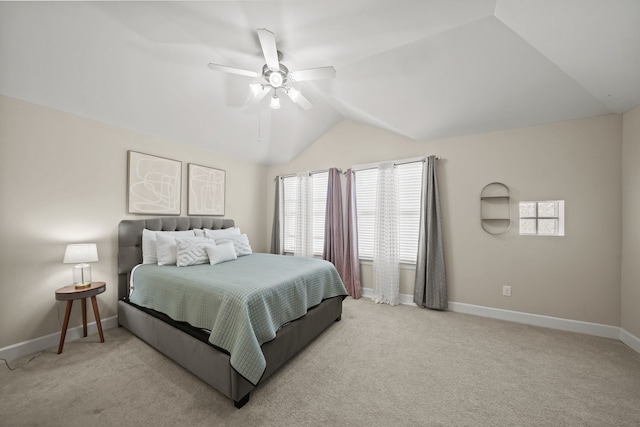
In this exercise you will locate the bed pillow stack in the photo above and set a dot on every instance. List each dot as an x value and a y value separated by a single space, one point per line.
231 235
150 243
193 247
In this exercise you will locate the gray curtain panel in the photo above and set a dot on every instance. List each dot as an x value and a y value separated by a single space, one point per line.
276 244
333 226
430 290
351 276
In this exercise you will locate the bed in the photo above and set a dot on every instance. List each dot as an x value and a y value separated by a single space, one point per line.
206 351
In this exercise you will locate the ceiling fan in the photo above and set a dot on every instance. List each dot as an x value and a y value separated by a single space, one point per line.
275 76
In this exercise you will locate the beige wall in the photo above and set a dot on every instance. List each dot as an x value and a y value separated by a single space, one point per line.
630 223
576 276
63 180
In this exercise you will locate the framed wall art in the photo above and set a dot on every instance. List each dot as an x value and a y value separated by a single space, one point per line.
153 185
206 190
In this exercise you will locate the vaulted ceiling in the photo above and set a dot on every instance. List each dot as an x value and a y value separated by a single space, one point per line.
425 69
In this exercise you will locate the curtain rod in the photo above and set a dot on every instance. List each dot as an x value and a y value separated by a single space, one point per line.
310 173
395 162
364 166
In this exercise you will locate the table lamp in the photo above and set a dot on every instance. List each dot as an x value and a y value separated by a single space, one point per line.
80 254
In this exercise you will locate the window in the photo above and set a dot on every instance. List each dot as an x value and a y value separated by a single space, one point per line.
545 218
409 196
292 209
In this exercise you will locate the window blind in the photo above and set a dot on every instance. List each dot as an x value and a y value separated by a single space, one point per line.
290 210
409 197
291 206
320 183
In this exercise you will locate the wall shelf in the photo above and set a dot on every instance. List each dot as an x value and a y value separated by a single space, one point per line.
495 208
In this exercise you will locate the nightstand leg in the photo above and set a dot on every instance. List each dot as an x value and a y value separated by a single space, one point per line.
63 334
96 313
84 316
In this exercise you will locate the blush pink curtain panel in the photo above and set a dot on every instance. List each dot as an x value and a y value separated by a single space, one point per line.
333 227
340 241
351 276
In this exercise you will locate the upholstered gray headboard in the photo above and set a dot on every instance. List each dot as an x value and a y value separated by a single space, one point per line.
130 239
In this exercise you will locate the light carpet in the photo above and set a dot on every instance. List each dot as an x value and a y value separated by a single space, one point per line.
379 366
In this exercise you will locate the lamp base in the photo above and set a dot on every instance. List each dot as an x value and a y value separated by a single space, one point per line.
82 275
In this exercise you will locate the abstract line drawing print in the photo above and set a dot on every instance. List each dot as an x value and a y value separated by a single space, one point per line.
206 190
154 184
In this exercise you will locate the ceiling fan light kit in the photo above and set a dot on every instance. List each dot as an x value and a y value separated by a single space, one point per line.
275 102
276 76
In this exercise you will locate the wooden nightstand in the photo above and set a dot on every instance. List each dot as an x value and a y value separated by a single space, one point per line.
69 294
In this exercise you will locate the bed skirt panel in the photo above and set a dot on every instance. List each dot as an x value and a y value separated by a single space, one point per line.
212 365
208 363
294 336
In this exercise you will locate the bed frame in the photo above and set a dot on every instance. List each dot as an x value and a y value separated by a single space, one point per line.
206 361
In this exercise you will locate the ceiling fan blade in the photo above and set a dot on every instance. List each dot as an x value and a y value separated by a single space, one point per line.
269 49
304 103
233 70
313 74
257 93
299 99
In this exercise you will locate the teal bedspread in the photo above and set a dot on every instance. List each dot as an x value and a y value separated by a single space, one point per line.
243 302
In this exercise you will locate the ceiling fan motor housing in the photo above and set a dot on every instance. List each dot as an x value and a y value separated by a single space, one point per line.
276 78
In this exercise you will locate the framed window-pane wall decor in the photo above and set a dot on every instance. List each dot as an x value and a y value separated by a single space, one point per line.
153 185
206 190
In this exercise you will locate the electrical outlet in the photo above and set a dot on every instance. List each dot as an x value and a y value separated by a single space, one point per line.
506 291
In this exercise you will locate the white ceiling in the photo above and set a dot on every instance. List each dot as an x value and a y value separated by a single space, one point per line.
422 68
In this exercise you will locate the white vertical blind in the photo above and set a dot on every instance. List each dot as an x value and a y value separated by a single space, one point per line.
409 197
320 183
366 194
290 211
292 205
303 245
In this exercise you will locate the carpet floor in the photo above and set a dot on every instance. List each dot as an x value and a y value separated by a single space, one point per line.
379 366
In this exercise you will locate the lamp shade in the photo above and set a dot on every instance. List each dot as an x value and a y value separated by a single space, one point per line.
80 253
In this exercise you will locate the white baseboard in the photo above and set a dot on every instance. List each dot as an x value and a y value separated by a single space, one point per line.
630 340
38 344
578 326
538 320
42 343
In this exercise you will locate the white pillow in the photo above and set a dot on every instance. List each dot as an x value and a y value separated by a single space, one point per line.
225 232
149 243
168 249
192 250
240 243
221 253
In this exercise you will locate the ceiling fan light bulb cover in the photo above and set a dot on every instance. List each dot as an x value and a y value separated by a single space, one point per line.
275 102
